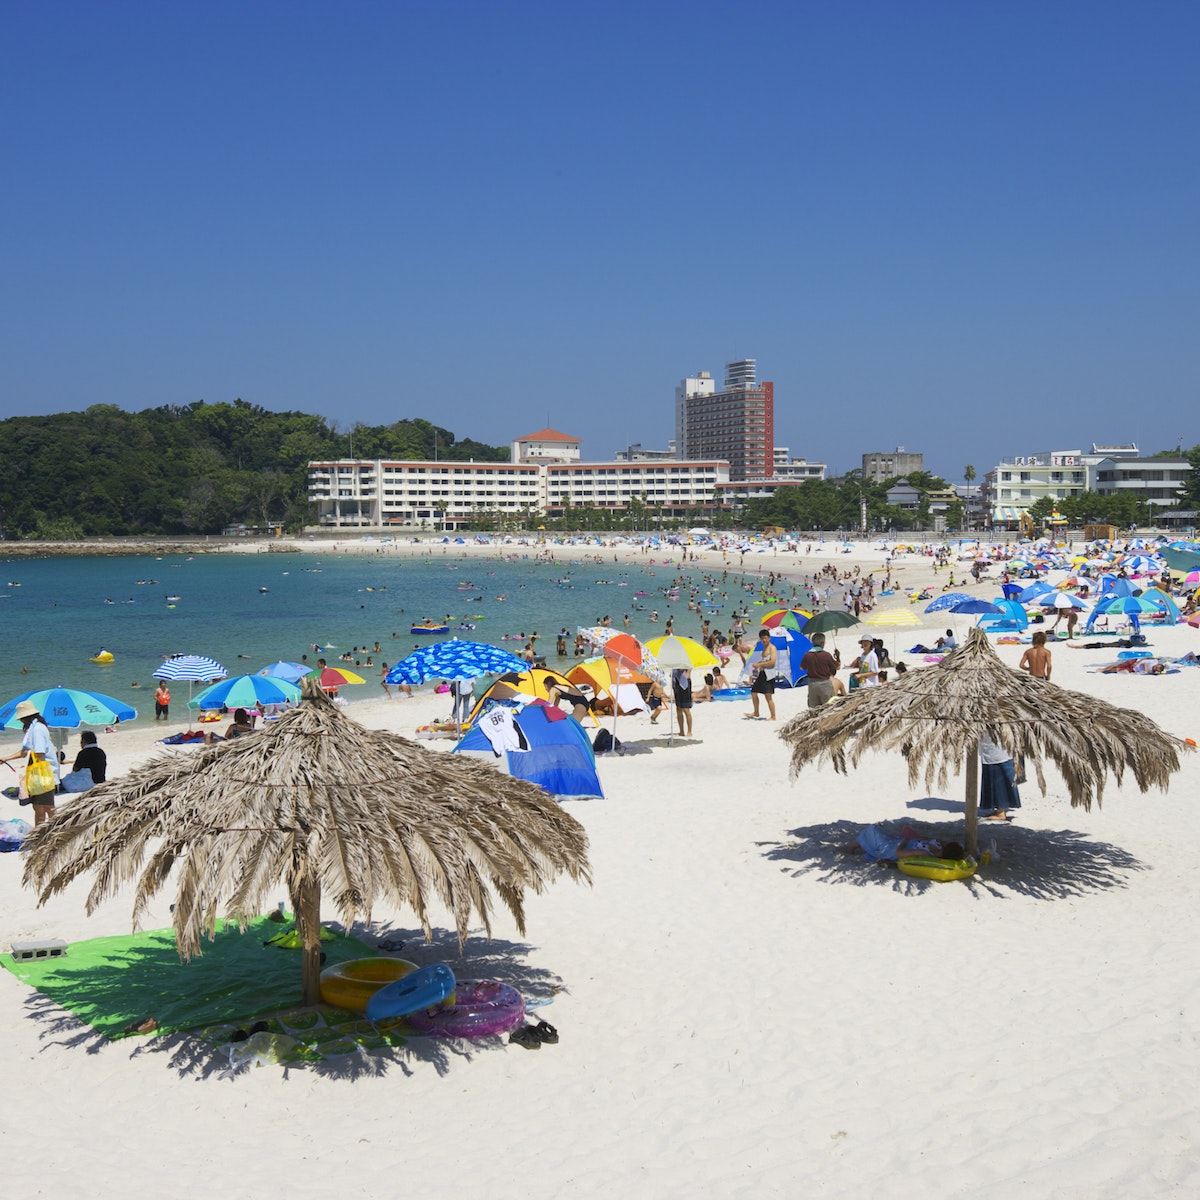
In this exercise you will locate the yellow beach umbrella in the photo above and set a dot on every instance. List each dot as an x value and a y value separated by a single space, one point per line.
673 651
893 616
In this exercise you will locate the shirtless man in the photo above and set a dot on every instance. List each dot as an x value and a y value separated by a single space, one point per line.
1036 660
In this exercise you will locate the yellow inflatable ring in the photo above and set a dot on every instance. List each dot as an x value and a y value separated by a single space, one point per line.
942 869
350 985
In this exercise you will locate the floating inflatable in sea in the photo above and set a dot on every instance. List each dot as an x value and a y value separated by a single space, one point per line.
105 656
430 629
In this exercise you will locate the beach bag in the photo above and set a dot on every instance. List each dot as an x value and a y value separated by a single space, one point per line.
77 781
604 741
39 777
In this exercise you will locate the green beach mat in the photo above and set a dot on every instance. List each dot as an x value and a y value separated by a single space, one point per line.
112 982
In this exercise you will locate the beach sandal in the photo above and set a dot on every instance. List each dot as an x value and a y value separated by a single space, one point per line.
526 1036
148 1025
546 1033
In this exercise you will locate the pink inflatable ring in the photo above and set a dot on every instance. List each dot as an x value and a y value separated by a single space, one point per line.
482 1008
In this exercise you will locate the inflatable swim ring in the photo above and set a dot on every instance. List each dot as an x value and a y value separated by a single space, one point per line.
350 985
482 1007
105 656
941 869
427 988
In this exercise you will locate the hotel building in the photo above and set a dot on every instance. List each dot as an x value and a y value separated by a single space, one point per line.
736 426
548 479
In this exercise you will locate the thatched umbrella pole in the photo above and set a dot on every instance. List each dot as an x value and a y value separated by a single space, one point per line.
971 807
304 888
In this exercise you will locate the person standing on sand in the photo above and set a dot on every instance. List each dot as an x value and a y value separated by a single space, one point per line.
1036 660
681 688
821 668
764 675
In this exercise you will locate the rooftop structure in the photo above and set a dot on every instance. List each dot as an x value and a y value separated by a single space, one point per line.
545 446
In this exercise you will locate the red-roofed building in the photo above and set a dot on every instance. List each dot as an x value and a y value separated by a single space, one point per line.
546 446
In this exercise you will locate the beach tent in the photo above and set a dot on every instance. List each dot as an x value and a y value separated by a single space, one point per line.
790 648
1012 617
559 758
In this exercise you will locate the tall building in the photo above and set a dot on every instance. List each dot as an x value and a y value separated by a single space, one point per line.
700 384
736 425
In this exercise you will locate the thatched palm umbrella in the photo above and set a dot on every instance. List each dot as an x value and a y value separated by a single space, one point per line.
322 803
936 715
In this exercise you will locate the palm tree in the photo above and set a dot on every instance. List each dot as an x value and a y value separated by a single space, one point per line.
969 476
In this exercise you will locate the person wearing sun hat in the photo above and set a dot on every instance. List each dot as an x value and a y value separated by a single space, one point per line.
36 740
866 665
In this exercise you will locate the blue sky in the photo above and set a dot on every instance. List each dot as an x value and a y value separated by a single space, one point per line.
966 228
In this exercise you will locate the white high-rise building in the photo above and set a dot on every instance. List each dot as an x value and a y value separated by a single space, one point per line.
702 384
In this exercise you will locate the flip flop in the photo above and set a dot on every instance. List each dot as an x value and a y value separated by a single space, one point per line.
526 1036
148 1025
545 1033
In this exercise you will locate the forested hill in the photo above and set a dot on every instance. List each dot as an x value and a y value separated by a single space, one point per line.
187 470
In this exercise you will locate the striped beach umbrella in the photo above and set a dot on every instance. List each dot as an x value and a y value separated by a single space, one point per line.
195 668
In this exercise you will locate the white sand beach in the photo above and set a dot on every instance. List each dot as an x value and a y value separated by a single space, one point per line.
742 1010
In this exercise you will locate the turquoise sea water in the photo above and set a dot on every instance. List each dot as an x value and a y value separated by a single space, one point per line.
66 609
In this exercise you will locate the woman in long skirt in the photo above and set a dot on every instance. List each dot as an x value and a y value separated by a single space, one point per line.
997 789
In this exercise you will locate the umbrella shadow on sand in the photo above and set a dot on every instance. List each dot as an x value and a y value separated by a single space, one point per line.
194 1056
1043 864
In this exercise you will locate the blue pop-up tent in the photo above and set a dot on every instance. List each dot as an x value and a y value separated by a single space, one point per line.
559 758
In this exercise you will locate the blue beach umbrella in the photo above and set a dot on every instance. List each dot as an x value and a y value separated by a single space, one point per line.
245 691
1128 605
974 605
1033 591
68 708
948 600
293 672
454 660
